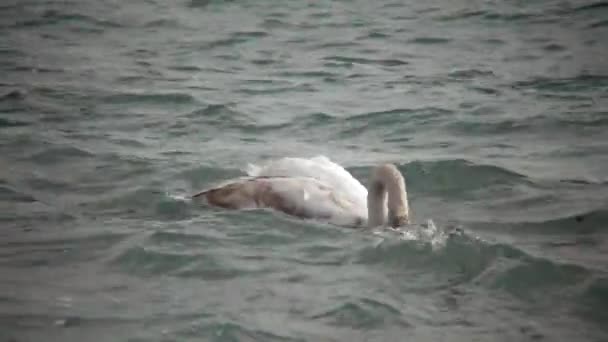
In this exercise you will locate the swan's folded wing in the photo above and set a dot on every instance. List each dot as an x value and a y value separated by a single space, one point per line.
319 168
297 196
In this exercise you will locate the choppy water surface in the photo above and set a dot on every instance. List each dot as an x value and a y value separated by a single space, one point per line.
112 111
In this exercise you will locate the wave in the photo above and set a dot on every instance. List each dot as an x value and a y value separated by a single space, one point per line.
366 61
180 240
598 23
228 119
594 300
430 40
277 89
219 113
456 175
539 123
150 98
365 313
150 261
13 95
234 39
140 202
163 23
580 83
395 124
586 222
56 17
232 331
466 74
460 258
7 193
467 259
8 123
142 261
59 154
551 14
399 115
600 5
54 252
478 127
489 15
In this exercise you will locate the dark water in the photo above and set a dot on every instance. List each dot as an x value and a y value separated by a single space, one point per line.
112 111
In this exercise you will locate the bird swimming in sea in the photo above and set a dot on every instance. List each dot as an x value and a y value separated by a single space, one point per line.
319 189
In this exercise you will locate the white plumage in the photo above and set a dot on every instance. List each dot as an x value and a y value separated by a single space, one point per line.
316 188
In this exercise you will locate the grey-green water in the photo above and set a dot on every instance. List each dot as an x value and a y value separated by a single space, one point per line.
111 112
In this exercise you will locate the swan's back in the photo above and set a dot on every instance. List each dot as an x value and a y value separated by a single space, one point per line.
319 168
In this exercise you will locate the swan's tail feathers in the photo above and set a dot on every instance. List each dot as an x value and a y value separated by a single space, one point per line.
237 194
199 194
233 194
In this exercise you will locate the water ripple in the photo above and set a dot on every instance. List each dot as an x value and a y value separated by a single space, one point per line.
363 314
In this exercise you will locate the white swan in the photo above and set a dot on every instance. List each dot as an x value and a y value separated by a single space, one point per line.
317 188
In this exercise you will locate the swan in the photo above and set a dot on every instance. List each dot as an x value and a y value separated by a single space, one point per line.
317 188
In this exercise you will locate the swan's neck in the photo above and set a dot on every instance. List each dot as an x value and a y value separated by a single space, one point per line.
387 197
